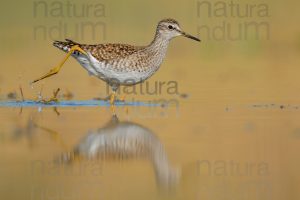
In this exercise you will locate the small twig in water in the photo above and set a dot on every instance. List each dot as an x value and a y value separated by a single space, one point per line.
21 91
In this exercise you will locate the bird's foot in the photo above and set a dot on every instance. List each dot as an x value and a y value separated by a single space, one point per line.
108 98
53 99
112 103
112 99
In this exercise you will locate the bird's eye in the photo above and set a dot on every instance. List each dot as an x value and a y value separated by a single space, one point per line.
170 27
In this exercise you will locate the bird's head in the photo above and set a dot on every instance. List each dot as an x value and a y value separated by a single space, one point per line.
169 28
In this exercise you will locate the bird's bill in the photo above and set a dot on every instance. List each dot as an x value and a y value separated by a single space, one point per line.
190 36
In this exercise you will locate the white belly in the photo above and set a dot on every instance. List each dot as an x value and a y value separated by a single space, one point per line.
108 73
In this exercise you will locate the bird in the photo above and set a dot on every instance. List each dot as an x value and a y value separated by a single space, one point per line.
121 64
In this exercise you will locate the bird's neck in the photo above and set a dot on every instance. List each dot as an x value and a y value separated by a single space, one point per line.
159 44
155 52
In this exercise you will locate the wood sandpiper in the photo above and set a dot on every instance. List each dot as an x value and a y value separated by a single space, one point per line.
121 64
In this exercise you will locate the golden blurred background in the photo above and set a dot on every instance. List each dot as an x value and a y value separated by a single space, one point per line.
266 65
241 97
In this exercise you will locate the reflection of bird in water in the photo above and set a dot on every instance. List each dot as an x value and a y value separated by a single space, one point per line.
126 140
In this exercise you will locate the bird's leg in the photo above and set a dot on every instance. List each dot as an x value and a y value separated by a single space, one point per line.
113 97
112 101
109 97
56 69
122 98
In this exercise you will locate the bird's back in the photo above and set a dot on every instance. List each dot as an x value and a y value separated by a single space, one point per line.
124 63
102 52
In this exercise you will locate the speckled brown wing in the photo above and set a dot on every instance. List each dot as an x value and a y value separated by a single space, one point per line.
103 52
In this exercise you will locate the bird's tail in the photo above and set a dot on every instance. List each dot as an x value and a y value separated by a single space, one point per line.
65 45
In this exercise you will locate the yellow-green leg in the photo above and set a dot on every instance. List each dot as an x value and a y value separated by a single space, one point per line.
112 101
56 69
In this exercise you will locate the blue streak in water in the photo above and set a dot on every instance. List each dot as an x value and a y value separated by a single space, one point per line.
71 103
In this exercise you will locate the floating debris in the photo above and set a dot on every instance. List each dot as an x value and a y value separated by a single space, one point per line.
184 95
276 106
67 95
281 106
12 95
